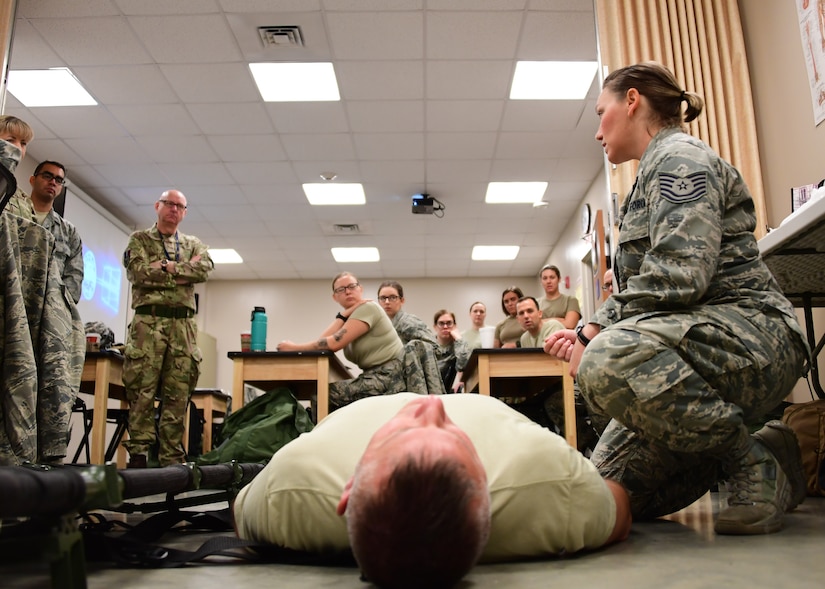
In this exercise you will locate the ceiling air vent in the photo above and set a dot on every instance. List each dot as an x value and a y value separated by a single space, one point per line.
349 229
281 36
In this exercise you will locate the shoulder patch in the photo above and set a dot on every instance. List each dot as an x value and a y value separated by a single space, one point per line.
682 189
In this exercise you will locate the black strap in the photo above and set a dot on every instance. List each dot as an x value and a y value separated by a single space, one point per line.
136 548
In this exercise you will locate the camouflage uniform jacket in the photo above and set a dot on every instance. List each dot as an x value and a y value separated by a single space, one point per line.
153 286
68 249
686 238
40 326
410 327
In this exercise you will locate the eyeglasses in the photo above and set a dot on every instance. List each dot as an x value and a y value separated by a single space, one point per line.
390 298
445 323
49 177
348 288
174 205
607 287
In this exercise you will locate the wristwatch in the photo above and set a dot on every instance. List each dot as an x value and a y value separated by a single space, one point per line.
163 263
581 337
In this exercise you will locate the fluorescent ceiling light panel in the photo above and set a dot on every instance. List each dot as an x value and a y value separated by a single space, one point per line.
552 80
515 192
355 254
225 256
335 194
295 82
53 87
495 252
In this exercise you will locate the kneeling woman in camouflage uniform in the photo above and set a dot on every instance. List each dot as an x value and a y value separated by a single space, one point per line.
699 342
368 339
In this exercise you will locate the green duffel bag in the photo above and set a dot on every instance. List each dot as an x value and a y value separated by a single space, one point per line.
257 430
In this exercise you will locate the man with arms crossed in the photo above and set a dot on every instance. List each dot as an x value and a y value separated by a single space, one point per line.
163 266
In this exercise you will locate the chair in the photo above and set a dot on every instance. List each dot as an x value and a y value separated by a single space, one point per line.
119 417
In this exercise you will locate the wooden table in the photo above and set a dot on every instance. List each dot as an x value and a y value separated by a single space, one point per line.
486 364
214 403
305 373
102 378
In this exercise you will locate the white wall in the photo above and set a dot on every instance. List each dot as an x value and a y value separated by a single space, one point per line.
301 310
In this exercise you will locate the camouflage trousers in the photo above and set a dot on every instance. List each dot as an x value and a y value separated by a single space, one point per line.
681 389
161 356
386 379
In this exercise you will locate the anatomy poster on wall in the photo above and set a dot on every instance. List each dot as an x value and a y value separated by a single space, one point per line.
812 27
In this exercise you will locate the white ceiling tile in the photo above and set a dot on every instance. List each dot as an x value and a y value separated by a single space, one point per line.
389 146
320 146
175 148
197 173
57 150
376 35
248 148
92 40
109 150
464 115
126 175
186 39
460 146
543 115
345 171
126 84
231 119
204 197
472 35
558 34
261 173
30 50
57 8
166 7
530 145
211 82
465 172
308 117
68 122
468 79
386 116
399 171
380 80
154 119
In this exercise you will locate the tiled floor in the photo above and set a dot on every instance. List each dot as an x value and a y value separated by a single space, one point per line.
679 552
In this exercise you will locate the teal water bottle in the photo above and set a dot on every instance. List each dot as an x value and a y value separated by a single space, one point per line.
258 329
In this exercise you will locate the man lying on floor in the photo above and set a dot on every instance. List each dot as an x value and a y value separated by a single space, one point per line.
439 482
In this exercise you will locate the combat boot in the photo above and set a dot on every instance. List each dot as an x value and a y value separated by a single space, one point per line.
753 506
781 441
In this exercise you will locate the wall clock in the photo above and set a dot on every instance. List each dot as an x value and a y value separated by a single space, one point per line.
585 218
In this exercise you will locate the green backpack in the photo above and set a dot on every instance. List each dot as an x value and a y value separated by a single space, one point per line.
257 430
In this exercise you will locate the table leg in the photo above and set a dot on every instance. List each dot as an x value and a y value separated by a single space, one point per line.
237 384
207 423
484 376
569 407
322 403
101 403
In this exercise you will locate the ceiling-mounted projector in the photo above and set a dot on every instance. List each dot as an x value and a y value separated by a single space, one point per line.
422 204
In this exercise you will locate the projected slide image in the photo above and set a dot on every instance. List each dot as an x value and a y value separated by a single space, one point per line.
101 281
